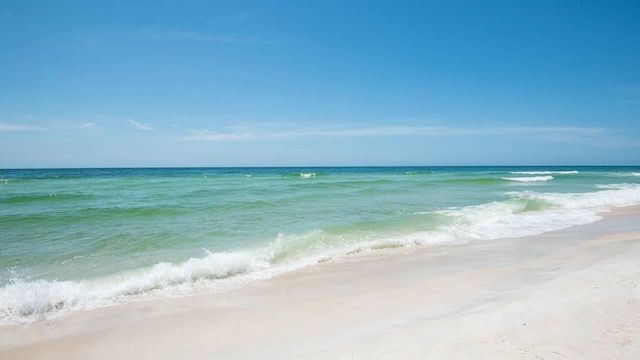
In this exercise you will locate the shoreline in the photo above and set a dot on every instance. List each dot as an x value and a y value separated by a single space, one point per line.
571 293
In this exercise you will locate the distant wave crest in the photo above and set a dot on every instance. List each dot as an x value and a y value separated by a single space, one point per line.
545 172
530 178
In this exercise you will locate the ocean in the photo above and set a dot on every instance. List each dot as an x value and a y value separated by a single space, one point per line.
79 239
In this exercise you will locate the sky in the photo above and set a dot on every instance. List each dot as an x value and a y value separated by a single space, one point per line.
319 83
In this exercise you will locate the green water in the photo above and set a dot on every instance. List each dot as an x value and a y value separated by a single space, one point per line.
68 232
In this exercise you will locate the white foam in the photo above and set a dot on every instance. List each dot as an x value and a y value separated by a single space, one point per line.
530 178
496 220
22 302
615 195
544 172
307 175
27 301
622 186
511 219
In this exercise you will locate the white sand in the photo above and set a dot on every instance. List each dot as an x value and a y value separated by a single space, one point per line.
571 294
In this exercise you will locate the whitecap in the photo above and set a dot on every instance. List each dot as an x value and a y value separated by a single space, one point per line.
544 172
530 178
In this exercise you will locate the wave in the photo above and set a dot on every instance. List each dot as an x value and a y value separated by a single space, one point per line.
530 179
303 175
37 198
475 181
622 186
545 172
519 214
418 172
613 195
24 301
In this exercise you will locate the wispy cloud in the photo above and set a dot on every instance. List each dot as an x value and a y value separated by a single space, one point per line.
392 130
592 136
50 127
140 126
18 127
206 135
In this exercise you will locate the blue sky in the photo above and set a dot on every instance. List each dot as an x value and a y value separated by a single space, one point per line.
312 83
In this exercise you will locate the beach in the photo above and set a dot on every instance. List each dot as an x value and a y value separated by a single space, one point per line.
320 180
565 294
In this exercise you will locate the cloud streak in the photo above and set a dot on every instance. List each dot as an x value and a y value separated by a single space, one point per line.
140 126
7 127
592 136
17 127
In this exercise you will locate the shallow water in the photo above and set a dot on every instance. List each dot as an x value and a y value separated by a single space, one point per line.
85 238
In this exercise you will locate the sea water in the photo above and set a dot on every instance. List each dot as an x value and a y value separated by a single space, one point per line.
73 239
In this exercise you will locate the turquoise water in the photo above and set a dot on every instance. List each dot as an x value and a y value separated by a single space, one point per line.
84 238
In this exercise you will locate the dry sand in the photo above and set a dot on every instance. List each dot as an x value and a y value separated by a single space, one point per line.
570 294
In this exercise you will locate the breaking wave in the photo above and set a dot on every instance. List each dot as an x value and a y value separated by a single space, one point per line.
519 214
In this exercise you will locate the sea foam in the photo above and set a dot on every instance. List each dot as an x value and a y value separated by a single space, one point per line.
28 301
530 178
569 172
520 214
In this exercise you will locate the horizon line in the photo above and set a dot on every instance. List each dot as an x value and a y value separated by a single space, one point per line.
303 166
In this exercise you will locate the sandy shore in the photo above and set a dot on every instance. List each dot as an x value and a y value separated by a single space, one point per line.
570 294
